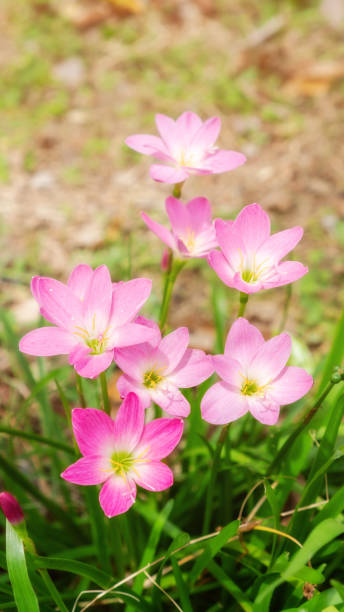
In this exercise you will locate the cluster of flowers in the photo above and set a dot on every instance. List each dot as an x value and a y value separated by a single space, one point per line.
96 322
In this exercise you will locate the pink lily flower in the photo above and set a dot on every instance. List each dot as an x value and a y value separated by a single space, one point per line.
249 259
186 147
254 376
91 316
122 453
156 370
193 232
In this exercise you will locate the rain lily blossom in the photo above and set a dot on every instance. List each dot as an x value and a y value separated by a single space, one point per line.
122 453
91 316
249 259
254 377
193 232
185 147
156 370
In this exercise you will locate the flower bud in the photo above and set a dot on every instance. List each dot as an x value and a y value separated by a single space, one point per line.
11 508
165 260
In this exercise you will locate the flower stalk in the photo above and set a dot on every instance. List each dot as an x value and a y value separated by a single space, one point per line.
243 302
172 272
212 481
105 392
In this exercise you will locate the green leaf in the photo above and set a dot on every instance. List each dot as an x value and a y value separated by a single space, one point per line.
23 592
333 507
181 587
74 567
335 355
230 586
36 438
212 548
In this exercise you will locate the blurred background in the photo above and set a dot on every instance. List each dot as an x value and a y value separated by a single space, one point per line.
79 76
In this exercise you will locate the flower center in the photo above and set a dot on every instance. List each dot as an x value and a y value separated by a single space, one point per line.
249 276
249 387
253 270
97 344
122 462
190 240
151 379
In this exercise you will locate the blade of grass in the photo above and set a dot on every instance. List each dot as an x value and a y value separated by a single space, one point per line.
23 592
181 587
36 438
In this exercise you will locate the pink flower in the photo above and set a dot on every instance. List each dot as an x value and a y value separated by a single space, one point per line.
121 453
193 232
156 370
91 316
254 376
249 259
186 147
11 508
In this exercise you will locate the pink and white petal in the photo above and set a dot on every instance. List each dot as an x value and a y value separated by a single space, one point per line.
129 423
207 134
223 161
47 341
230 370
153 476
140 320
270 359
243 341
94 431
160 437
91 366
147 144
231 243
117 495
35 288
292 384
159 230
287 272
253 225
220 265
245 287
265 411
278 245
221 405
98 299
194 368
79 353
168 131
167 174
132 360
187 125
173 347
199 213
90 470
79 280
130 334
127 385
178 215
128 297
170 399
59 303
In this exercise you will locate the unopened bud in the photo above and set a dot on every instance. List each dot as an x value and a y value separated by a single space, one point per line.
11 508
165 260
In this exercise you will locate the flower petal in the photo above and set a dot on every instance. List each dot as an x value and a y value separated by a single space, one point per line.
97 301
220 405
130 334
178 215
223 161
167 174
207 134
58 303
253 225
117 495
159 438
170 399
229 370
287 272
194 367
290 385
146 144
90 470
200 214
128 298
79 280
127 385
153 476
129 423
159 230
90 366
47 341
187 125
266 411
94 431
173 347
220 265
270 359
243 341
278 245
168 131
231 243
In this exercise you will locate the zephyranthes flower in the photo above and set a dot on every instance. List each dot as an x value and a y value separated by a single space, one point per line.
91 315
122 453
254 376
186 146
249 259
156 370
193 232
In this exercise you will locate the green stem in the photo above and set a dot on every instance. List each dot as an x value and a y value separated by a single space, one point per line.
212 480
105 394
286 307
80 390
171 275
52 590
177 190
295 434
36 438
243 302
